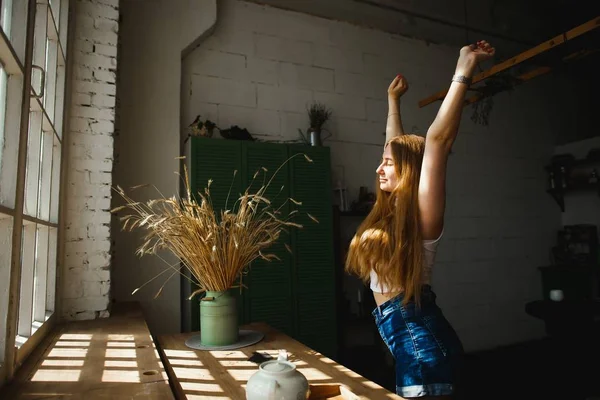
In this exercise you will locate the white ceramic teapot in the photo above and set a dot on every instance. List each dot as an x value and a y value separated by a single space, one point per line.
277 380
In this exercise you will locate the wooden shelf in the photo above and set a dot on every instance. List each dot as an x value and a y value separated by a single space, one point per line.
583 162
576 182
559 194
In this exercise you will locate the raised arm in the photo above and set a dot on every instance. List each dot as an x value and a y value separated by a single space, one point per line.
441 136
397 88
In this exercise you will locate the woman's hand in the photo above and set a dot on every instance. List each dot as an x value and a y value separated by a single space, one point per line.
398 87
472 55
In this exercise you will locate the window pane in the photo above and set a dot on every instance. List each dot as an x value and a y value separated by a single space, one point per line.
41 274
60 95
63 24
51 279
39 49
33 163
6 231
55 188
45 175
13 20
3 87
50 92
10 110
55 10
28 256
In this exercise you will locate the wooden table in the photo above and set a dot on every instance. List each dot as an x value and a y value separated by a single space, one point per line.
110 358
202 374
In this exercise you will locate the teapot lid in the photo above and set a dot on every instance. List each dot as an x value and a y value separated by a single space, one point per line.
277 366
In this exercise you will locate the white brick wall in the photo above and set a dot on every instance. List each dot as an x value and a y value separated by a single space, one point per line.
263 66
86 271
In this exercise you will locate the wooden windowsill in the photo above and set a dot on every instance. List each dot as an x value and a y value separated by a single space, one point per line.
106 358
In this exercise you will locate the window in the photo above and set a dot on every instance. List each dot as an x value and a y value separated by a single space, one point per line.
30 161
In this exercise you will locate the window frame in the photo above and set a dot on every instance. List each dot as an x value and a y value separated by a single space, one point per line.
47 222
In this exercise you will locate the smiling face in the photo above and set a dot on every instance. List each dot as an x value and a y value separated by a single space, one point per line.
388 177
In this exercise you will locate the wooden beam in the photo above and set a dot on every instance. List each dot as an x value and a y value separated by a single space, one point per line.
519 58
535 73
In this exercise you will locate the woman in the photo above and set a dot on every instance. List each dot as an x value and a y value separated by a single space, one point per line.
395 246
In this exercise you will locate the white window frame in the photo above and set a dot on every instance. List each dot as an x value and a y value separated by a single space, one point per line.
34 53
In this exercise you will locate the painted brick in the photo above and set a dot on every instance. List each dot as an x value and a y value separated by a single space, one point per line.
92 88
262 71
110 51
337 58
105 76
82 73
102 127
99 232
95 9
93 60
105 25
72 289
224 91
93 112
219 64
113 3
377 110
291 122
305 77
353 84
91 165
102 178
99 260
357 131
343 106
91 289
104 35
99 100
232 41
84 22
297 25
85 139
83 45
283 98
82 99
275 48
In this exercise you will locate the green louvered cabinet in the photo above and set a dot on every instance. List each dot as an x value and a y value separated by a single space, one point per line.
314 279
268 296
296 294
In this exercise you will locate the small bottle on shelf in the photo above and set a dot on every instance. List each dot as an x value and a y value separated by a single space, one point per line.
593 176
551 181
563 177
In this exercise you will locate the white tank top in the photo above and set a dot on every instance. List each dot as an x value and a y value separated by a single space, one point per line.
430 248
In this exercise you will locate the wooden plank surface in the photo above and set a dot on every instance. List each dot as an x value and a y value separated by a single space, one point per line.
110 358
202 374
519 58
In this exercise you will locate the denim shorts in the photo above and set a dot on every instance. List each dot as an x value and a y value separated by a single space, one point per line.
426 349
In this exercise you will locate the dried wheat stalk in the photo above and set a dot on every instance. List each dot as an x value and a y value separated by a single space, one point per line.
214 245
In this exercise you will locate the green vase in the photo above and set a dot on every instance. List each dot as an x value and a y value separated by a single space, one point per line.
218 319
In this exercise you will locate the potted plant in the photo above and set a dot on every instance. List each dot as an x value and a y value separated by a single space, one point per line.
318 115
216 246
202 128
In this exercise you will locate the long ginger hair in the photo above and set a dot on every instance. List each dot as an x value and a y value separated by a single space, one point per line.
389 240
